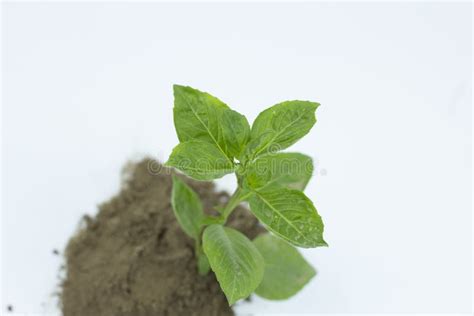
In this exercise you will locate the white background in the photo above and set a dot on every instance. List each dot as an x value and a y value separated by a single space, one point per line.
87 87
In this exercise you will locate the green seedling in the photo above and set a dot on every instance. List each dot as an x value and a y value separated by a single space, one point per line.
215 141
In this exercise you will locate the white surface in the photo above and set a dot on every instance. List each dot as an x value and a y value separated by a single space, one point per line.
88 86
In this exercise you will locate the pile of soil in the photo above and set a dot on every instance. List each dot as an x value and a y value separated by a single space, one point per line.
133 259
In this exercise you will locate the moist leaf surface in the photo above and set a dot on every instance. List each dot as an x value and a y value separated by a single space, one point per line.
290 215
280 126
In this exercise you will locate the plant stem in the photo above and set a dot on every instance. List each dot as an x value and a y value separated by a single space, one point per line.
238 196
234 200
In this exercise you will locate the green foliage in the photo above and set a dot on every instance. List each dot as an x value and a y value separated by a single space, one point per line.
286 271
200 160
287 170
235 131
187 208
197 116
234 259
290 215
280 126
216 140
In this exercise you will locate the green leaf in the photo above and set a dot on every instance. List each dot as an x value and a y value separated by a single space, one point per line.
200 160
290 215
280 126
187 208
235 131
290 170
196 115
200 116
234 259
286 271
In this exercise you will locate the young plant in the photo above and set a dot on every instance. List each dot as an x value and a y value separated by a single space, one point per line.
215 141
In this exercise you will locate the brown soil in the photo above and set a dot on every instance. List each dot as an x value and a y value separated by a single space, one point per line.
133 259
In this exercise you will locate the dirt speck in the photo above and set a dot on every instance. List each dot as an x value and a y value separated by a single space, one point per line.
133 259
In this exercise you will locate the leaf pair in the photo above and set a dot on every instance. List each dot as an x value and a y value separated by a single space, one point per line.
237 263
269 266
276 183
211 135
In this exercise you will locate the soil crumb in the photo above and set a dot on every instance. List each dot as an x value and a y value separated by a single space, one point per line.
133 259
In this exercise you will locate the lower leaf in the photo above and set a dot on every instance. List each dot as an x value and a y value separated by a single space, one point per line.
234 259
286 271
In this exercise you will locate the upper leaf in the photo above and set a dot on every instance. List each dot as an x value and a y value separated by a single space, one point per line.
196 115
200 116
280 126
234 259
290 170
235 131
286 271
290 215
200 160
187 208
